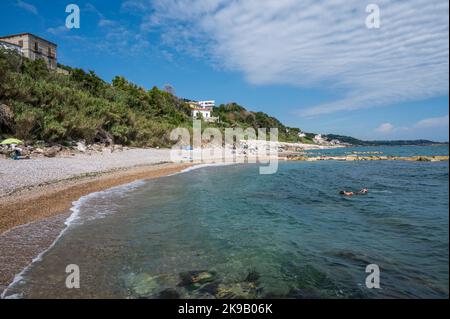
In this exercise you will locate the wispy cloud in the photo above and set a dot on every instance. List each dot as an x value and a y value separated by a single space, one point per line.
58 30
115 36
428 123
316 43
385 128
27 6
433 122
106 23
135 5
89 7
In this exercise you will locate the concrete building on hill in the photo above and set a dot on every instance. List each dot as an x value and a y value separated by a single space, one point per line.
32 47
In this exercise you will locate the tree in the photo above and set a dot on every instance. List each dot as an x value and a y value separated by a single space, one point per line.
169 89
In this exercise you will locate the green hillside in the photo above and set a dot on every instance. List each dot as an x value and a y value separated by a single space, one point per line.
355 141
38 104
235 115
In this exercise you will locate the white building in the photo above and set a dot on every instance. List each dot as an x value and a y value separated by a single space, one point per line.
335 142
319 139
203 108
210 103
205 112
301 134
9 46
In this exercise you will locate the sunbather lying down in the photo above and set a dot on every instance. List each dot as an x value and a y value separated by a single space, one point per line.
362 191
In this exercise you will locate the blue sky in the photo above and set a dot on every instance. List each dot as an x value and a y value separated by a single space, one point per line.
312 64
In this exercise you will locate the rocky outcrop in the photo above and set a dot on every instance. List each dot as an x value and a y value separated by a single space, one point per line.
52 151
351 158
41 149
197 277
6 119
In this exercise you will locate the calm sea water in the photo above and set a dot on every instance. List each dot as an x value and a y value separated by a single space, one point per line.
229 232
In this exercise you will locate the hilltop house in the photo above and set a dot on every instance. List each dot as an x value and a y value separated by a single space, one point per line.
31 47
10 46
203 109
319 139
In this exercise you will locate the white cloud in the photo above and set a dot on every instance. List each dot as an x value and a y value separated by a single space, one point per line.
134 5
27 6
385 128
428 123
58 30
106 23
316 43
433 122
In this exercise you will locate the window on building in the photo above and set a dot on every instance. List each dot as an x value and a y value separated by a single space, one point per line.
36 46
21 43
49 52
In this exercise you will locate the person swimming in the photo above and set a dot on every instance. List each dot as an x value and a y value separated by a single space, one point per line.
362 191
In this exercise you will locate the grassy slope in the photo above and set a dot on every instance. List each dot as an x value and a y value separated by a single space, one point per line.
43 105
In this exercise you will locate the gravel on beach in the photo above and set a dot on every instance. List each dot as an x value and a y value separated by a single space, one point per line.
21 174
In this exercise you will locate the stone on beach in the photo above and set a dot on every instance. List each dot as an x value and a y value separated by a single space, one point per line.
17 175
81 146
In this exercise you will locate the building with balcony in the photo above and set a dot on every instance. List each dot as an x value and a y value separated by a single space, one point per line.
33 47
12 47
205 104
203 109
205 113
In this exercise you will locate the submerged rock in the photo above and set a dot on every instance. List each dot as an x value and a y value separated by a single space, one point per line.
253 276
210 288
197 277
352 158
142 284
169 293
303 293
244 290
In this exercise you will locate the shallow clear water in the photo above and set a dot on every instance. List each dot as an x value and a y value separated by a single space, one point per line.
291 231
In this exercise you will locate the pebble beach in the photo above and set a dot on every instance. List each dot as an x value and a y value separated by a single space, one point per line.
36 196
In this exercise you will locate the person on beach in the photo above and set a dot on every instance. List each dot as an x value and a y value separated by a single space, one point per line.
16 152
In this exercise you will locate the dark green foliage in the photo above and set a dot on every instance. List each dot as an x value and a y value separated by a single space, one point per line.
235 115
54 107
355 141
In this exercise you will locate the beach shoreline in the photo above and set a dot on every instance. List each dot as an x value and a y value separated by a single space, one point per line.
35 206
32 218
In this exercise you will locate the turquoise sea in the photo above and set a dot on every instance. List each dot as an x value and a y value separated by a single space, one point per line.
228 232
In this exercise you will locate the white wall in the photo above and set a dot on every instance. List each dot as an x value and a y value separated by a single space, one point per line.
205 113
209 103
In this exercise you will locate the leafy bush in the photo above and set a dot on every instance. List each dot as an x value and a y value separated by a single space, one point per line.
57 108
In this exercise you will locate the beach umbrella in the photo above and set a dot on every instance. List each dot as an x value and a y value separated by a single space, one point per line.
9 141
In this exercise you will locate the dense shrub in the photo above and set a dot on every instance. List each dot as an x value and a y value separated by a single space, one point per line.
54 107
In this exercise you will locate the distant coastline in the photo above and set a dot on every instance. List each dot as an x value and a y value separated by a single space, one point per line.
357 142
